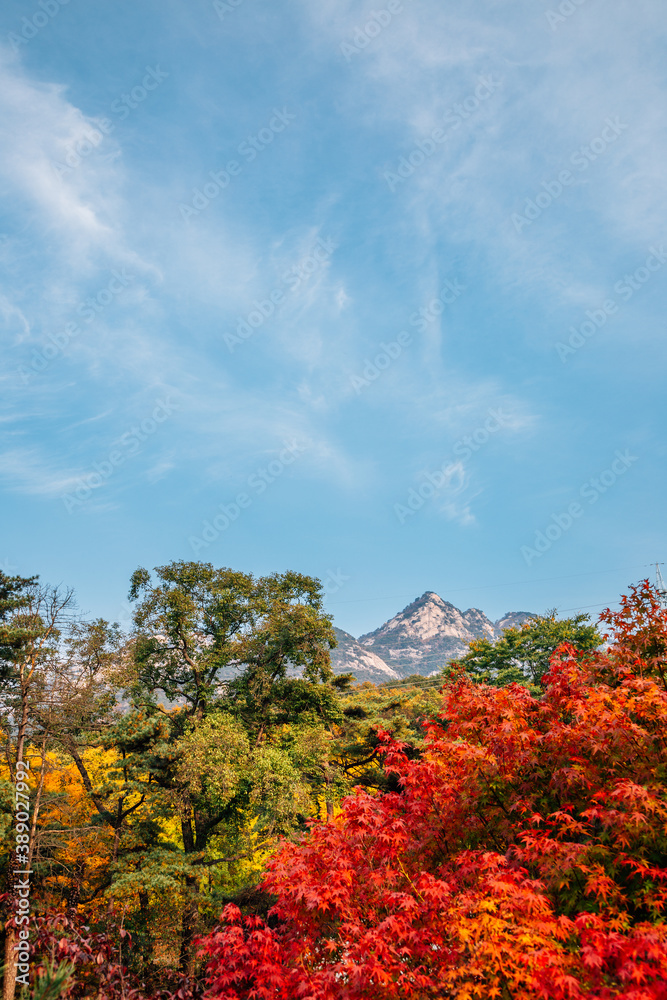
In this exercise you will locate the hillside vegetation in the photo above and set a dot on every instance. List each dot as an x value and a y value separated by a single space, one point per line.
211 812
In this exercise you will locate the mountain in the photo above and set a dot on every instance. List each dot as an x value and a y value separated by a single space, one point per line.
513 619
418 640
350 657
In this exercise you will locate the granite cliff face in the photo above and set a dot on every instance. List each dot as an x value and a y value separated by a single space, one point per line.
350 657
419 640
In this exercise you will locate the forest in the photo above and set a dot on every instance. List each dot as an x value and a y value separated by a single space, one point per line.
202 809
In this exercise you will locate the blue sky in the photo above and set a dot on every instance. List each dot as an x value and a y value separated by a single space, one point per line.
371 291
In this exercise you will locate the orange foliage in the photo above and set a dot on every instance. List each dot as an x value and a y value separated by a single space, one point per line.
525 855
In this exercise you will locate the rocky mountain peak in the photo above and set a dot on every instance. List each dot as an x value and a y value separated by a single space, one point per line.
427 618
420 639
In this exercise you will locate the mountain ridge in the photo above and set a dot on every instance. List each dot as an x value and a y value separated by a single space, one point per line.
420 639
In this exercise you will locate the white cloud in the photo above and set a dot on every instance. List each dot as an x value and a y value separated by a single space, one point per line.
27 471
43 127
14 321
554 98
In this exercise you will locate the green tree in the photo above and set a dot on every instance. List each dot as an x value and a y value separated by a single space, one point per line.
234 671
399 708
522 654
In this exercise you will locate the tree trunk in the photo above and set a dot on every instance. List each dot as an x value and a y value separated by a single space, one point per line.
9 980
146 941
327 796
36 806
11 937
189 928
23 724
190 915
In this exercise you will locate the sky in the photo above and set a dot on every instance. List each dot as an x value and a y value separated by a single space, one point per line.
374 292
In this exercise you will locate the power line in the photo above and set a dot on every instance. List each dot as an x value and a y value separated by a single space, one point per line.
584 607
494 586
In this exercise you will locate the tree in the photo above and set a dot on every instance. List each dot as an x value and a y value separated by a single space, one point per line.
73 711
524 854
61 703
240 662
399 709
522 655
31 621
173 761
73 963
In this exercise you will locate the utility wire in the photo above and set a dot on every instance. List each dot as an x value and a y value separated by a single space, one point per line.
494 586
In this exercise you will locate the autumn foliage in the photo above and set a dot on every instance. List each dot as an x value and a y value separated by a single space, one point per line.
525 854
94 964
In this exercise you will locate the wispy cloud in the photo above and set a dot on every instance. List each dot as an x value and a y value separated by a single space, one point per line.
28 471
513 104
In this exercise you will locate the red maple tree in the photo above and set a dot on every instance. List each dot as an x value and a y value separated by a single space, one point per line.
525 854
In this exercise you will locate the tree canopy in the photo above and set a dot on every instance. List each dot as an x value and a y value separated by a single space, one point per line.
498 831
522 655
524 854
